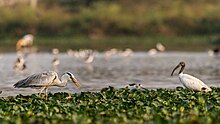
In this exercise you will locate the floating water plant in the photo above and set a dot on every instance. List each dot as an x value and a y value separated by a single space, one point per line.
112 105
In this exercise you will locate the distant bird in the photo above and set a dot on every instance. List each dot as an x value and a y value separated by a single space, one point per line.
127 52
211 53
20 64
89 56
74 53
134 86
70 52
26 41
55 61
110 53
160 47
189 81
55 51
214 52
47 79
152 51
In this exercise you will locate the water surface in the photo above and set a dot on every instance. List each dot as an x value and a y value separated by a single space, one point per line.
151 71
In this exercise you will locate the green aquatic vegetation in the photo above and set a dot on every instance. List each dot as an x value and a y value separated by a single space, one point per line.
112 105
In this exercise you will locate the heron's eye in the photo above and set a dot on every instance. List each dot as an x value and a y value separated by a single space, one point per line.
69 74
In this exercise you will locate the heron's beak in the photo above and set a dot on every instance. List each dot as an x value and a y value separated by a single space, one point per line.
75 82
175 69
143 88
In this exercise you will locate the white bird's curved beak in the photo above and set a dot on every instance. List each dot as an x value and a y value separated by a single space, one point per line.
175 69
206 89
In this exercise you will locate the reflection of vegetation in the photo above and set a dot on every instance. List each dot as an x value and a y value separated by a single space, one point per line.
216 41
141 43
115 106
98 18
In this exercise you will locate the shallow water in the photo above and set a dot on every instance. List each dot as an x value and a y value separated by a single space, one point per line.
151 71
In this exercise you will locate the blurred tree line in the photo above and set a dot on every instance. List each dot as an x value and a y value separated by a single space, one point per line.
97 18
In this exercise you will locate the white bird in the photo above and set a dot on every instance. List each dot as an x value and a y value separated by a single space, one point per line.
127 52
110 53
70 52
45 80
20 64
55 51
29 38
55 61
152 51
189 81
213 52
26 41
89 57
160 47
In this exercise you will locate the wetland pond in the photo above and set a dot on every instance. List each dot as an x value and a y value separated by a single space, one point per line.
152 71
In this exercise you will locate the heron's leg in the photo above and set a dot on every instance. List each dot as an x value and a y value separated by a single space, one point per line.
41 90
69 97
46 95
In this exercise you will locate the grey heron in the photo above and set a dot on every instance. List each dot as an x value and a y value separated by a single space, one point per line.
45 80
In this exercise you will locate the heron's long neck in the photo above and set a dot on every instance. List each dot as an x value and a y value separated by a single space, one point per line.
62 82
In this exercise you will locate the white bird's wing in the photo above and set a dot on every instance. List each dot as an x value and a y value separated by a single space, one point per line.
193 83
36 80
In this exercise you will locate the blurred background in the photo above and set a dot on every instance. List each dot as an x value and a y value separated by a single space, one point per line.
109 42
182 25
